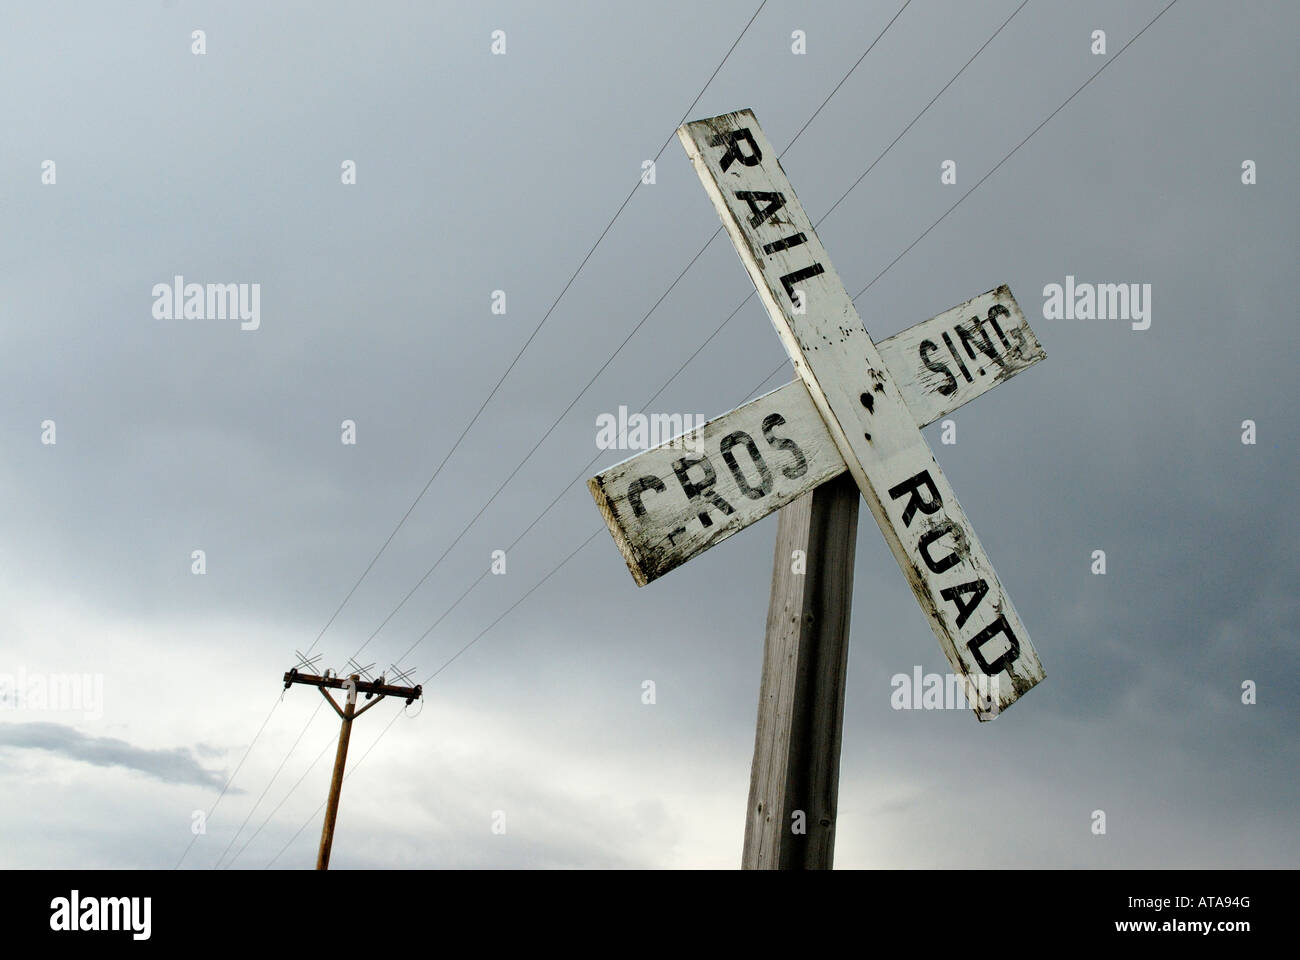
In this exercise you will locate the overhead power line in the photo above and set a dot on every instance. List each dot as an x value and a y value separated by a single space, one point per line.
642 321
780 366
384 546
531 337
619 349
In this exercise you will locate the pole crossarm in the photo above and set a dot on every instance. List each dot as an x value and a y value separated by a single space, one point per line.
369 687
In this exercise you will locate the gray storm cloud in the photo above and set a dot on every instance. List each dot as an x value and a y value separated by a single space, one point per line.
475 173
176 765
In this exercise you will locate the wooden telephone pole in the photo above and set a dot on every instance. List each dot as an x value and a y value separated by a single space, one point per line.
794 782
354 684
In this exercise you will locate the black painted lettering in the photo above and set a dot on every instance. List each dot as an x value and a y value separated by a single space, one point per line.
800 466
973 332
1001 626
957 356
943 563
732 142
740 437
637 488
703 489
790 279
758 217
949 386
965 607
785 243
915 502
995 311
964 338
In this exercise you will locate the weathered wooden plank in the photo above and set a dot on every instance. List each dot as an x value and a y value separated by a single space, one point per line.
862 406
949 360
658 525
794 780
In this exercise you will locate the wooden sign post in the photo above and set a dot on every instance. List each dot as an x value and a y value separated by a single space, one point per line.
856 409
794 782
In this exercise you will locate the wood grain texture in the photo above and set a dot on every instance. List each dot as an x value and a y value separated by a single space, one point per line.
658 527
796 765
862 406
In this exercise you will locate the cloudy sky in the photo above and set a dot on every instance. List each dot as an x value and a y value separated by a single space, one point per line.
478 172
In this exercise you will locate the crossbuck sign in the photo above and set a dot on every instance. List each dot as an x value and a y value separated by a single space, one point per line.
856 406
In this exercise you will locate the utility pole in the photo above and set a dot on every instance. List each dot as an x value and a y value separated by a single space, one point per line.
353 684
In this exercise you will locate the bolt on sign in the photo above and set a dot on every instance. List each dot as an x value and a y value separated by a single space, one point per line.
856 406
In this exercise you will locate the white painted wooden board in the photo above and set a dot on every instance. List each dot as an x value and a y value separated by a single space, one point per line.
939 364
864 411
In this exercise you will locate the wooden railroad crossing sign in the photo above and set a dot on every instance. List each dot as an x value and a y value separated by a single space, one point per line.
855 412
851 409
